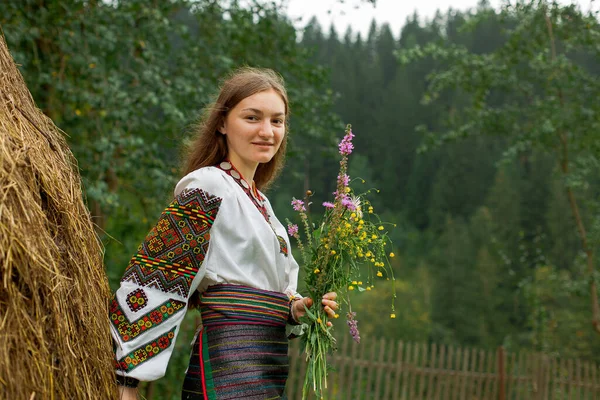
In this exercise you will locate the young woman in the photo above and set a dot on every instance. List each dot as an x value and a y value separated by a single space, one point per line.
218 247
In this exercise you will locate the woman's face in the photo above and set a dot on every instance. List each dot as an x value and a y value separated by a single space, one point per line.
254 129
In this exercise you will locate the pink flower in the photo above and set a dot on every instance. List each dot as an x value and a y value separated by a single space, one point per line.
298 205
346 145
344 180
352 324
293 230
348 203
328 205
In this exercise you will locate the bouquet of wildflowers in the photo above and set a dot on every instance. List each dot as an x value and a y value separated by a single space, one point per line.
346 251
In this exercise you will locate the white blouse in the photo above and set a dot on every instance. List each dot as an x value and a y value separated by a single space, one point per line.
219 229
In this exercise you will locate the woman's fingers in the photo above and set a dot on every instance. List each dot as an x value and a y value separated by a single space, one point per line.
330 296
329 305
330 312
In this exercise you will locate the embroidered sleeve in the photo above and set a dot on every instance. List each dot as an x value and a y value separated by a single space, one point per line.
150 304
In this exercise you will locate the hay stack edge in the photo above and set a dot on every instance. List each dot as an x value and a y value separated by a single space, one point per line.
54 328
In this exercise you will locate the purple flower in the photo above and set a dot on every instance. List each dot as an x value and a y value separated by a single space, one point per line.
328 205
348 203
344 180
352 324
292 230
298 205
346 145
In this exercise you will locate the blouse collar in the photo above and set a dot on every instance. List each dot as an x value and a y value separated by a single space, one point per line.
232 171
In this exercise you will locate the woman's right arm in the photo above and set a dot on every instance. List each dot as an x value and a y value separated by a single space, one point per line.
126 393
152 299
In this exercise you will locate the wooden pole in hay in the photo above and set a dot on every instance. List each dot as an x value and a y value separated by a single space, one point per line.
54 329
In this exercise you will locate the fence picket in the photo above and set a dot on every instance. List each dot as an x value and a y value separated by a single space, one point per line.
578 384
406 372
490 393
440 367
389 365
571 375
510 375
421 366
431 366
380 368
398 374
480 367
413 370
554 376
546 385
456 374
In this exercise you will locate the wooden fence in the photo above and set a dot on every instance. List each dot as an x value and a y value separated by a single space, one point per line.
387 370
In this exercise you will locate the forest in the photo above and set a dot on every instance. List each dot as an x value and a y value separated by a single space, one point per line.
479 128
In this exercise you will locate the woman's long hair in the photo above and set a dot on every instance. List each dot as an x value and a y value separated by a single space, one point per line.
210 146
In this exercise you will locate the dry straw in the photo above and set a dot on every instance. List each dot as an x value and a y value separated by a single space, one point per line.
54 329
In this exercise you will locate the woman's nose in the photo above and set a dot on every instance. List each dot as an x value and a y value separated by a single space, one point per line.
266 130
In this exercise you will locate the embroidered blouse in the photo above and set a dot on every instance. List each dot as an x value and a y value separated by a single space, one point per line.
219 229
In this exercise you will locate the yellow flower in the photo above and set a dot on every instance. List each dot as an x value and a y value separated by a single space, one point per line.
319 320
332 252
360 282
354 282
368 287
393 315
326 246
348 225
368 254
379 274
372 260
374 237
380 228
347 190
360 254
353 215
361 222
392 255
336 315
350 287
317 270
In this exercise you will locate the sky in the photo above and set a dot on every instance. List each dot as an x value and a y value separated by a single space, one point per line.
359 13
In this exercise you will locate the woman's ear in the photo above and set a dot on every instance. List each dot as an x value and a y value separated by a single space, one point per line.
222 130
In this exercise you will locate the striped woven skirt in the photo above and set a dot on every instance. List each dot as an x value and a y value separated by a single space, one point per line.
241 352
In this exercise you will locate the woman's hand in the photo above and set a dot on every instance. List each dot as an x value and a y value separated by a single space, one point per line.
328 301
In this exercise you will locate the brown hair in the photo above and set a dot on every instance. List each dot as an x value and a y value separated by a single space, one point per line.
210 147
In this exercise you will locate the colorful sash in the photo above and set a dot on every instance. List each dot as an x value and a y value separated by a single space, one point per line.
241 352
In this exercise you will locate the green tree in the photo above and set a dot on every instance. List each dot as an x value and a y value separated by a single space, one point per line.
549 98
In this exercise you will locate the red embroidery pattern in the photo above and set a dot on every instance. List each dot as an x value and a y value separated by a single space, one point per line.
145 352
177 244
129 330
137 300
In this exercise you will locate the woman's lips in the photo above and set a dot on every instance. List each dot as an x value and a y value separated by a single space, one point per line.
263 144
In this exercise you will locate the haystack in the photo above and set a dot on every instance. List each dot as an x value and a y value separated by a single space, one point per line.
54 329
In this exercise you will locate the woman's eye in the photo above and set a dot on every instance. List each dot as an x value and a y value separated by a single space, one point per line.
278 121
252 118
